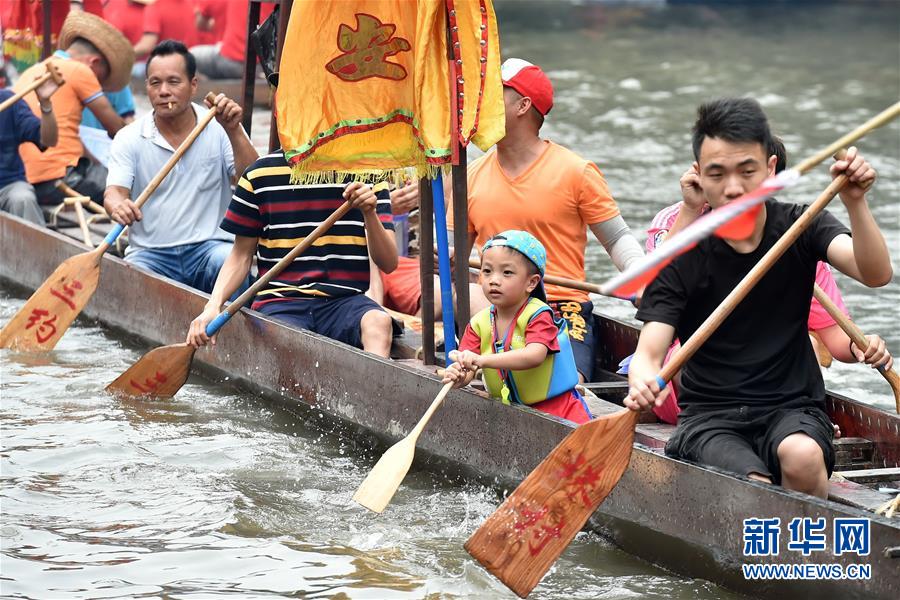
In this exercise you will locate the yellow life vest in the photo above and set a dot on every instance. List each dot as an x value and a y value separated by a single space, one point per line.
556 375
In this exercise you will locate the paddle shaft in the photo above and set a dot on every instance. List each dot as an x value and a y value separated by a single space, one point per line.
116 231
263 281
734 298
417 430
882 118
857 336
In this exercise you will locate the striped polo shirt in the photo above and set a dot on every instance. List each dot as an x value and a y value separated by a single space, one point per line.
266 205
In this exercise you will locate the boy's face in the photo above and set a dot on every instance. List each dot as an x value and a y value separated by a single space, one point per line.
505 277
729 170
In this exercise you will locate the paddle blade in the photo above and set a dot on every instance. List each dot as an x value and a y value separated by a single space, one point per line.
46 316
381 484
158 374
522 539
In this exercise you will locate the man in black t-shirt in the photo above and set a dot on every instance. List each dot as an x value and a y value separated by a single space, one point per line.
752 397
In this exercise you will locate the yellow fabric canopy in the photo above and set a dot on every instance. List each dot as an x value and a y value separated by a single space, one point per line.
365 86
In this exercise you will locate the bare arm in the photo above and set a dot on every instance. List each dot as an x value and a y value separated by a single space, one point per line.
107 115
376 286
232 274
381 243
229 114
838 344
49 132
145 44
865 256
645 365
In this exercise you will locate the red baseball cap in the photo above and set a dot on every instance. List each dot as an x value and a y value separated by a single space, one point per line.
529 80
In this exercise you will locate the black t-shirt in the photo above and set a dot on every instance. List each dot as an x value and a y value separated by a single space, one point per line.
760 355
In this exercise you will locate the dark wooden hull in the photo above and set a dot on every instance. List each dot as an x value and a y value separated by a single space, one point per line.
685 518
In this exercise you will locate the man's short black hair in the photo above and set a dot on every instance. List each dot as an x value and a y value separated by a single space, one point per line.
167 47
780 153
739 120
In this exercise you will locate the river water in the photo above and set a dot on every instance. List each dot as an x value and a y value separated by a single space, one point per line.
217 492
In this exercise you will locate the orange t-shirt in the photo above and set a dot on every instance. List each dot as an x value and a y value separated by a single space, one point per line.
555 200
68 102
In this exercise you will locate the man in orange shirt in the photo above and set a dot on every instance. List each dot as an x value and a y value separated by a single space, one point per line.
95 57
549 191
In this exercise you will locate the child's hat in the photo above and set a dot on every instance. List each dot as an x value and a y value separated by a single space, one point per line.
528 245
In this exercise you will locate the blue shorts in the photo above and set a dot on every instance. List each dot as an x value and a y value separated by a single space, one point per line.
337 318
579 318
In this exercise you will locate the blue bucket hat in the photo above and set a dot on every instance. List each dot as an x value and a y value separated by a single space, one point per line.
527 245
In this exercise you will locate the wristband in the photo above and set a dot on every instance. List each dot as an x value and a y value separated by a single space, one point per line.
47 111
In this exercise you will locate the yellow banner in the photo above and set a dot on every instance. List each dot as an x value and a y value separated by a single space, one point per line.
366 88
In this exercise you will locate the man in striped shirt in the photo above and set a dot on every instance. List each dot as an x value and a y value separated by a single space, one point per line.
323 289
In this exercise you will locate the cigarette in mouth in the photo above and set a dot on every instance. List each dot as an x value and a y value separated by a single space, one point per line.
170 106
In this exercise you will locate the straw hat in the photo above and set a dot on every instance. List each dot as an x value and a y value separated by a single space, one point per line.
112 44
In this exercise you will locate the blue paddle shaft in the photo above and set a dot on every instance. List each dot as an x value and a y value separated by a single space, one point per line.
113 234
216 324
440 225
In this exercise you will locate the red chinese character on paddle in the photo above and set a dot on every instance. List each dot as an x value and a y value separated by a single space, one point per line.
366 50
579 479
69 290
46 330
537 526
149 385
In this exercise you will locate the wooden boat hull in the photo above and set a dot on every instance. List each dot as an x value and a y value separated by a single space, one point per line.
683 517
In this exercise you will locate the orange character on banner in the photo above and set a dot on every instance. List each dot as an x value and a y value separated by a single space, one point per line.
366 50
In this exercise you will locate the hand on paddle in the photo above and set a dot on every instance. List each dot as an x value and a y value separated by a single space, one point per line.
360 196
858 171
876 353
120 207
228 112
462 371
196 336
45 90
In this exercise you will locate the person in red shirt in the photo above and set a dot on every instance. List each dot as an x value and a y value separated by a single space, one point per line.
163 20
225 60
127 16
209 17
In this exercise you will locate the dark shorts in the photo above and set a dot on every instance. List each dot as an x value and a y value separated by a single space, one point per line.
746 440
579 318
337 318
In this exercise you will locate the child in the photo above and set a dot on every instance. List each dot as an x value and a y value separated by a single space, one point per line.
532 362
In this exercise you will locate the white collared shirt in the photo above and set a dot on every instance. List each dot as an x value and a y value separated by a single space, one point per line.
189 204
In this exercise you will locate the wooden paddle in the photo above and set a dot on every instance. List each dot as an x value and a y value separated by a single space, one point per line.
858 338
522 539
161 372
46 316
386 476
52 72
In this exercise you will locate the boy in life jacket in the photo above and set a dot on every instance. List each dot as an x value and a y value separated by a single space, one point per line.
525 355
